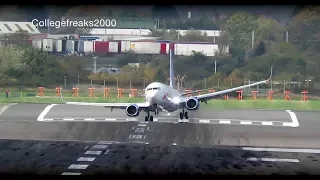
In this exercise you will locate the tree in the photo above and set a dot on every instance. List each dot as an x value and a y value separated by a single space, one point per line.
79 13
12 13
9 60
260 49
240 26
19 38
223 43
269 31
285 57
195 35
304 28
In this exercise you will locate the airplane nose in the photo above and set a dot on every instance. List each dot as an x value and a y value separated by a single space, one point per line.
150 97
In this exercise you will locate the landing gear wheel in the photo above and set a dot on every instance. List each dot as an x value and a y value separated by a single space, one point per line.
151 118
181 116
146 118
186 115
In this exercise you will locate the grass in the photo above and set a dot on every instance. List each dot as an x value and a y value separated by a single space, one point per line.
215 104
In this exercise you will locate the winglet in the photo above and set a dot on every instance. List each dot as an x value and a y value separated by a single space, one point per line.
270 73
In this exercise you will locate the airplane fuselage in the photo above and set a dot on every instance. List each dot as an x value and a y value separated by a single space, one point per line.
162 95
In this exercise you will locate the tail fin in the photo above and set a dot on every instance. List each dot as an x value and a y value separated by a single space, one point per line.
171 71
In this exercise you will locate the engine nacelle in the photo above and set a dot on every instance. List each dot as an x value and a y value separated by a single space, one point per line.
192 104
132 110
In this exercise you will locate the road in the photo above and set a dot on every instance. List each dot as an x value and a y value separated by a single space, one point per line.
206 128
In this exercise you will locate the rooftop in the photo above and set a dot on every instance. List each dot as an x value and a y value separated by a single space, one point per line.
8 27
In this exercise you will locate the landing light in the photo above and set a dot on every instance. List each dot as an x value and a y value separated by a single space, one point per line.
176 100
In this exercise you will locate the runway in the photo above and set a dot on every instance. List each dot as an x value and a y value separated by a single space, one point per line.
266 128
105 157
281 129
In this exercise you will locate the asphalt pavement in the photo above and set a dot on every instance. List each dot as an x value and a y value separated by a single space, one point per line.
206 128
88 158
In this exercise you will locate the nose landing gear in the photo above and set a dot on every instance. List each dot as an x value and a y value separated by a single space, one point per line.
148 117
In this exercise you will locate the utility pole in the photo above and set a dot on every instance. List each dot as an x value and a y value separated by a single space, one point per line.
252 41
49 24
95 64
287 36
215 66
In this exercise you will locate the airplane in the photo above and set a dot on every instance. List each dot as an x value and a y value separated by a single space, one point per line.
161 97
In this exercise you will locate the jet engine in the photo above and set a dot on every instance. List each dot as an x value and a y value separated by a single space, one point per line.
132 110
192 104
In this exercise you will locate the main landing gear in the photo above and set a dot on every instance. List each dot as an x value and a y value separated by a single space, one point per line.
183 115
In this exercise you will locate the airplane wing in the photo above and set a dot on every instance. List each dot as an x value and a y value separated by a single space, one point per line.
209 96
141 105
197 91
110 105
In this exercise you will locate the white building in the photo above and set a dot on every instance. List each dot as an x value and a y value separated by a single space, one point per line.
9 27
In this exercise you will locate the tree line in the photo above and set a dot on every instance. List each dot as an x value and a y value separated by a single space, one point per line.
28 67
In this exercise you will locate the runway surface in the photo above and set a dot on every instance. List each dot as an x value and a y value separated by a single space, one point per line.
206 128
88 158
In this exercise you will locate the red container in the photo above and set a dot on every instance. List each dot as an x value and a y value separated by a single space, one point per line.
101 46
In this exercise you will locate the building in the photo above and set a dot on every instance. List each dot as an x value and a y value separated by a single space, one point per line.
10 27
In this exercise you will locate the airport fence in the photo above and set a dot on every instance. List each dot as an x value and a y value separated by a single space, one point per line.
136 87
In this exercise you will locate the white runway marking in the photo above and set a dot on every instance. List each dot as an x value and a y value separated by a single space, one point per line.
315 151
107 151
295 122
204 121
106 142
45 112
89 119
267 123
93 152
70 173
272 159
68 119
245 122
98 146
4 108
78 166
47 119
110 119
89 159
224 122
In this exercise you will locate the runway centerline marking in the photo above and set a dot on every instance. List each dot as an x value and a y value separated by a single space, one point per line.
70 173
272 159
315 151
78 166
45 112
93 152
89 159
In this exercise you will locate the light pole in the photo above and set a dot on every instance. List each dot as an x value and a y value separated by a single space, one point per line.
95 64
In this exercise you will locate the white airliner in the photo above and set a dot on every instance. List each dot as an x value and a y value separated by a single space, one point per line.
161 97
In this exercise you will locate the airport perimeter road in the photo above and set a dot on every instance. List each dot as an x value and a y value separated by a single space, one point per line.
89 158
229 127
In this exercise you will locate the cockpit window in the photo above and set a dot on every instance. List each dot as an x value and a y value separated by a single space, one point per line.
154 88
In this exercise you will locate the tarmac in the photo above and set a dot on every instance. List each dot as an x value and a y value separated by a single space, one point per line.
206 129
